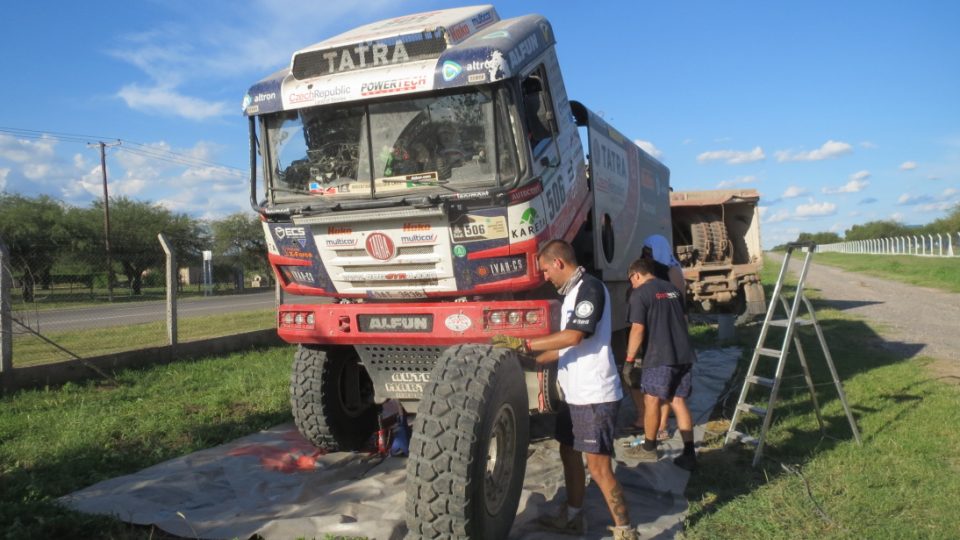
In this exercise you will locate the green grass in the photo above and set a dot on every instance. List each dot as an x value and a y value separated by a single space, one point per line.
935 272
902 483
61 297
54 442
30 350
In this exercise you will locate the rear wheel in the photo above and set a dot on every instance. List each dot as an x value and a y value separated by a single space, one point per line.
468 454
331 396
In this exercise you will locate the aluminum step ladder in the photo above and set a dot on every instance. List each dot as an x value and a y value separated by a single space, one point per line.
790 323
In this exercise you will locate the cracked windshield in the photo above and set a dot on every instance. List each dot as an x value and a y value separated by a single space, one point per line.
437 143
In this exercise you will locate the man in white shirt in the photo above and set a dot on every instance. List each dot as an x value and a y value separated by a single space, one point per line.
591 386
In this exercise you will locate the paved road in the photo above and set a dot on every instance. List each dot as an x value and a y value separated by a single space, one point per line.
140 312
912 320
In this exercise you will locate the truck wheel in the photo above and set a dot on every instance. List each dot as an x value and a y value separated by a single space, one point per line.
709 236
331 396
468 453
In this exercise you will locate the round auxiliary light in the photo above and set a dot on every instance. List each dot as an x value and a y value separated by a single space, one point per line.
532 317
299 318
310 319
513 317
496 317
288 318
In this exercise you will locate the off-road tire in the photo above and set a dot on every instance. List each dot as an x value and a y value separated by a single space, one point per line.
468 453
331 397
709 237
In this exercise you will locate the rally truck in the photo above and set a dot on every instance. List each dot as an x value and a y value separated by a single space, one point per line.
411 170
716 236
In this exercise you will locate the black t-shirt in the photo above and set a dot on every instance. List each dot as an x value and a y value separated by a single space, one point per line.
658 306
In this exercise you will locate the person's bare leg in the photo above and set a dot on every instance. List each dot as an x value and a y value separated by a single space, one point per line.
573 475
664 416
684 420
651 417
601 471
637 396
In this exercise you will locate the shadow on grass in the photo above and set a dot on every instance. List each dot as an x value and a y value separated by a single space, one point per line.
29 493
726 473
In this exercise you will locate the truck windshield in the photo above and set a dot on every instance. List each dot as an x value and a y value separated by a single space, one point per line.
418 145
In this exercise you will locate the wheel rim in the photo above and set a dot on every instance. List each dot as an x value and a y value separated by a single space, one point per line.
500 454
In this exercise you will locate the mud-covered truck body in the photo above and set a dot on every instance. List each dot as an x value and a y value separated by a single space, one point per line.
411 170
716 236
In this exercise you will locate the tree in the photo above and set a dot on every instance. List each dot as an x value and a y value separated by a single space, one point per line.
876 229
35 232
239 238
134 226
948 224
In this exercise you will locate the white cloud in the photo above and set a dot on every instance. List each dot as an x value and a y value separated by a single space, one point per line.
868 145
793 191
165 100
830 149
25 150
778 216
738 181
897 216
733 157
858 181
649 148
908 165
815 210
949 192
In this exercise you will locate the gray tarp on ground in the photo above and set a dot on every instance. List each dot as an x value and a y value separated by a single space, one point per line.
276 485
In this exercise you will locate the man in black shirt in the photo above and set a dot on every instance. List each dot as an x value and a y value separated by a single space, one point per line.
659 335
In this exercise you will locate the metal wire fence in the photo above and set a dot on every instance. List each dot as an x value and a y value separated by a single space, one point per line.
73 304
928 245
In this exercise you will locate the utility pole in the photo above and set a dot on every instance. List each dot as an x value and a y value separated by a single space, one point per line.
106 215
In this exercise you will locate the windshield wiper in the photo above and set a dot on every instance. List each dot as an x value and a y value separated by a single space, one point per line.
419 182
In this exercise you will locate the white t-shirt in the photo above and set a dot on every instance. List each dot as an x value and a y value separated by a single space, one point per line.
586 372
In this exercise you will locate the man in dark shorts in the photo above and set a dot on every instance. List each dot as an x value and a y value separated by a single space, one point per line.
659 335
591 386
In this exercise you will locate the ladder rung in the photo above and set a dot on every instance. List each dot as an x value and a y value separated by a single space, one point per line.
769 352
746 407
797 322
742 437
762 381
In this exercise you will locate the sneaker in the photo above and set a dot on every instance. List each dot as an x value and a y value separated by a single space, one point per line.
639 453
686 461
620 533
559 522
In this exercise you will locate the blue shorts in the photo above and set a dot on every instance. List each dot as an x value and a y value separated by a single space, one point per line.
667 382
588 428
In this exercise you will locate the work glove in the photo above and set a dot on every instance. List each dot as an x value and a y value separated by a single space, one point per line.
629 373
510 342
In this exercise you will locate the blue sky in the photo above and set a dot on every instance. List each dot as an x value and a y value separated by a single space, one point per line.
839 113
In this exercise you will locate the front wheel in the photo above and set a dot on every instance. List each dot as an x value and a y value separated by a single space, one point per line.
331 396
468 454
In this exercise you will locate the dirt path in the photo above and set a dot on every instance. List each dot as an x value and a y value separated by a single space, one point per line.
914 321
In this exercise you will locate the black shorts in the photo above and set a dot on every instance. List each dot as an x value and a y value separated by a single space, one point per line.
588 428
667 382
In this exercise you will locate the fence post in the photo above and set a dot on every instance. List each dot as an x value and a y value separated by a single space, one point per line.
171 290
6 321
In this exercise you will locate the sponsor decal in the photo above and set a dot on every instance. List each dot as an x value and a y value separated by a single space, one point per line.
247 100
418 238
380 247
666 295
339 230
319 95
525 193
460 251
497 35
318 189
472 195
459 31
340 242
458 322
523 50
395 323
530 224
482 20
366 55
393 86
289 232
297 253
395 275
471 228
501 268
451 70
584 309
416 227
396 294
271 245
304 277
477 78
